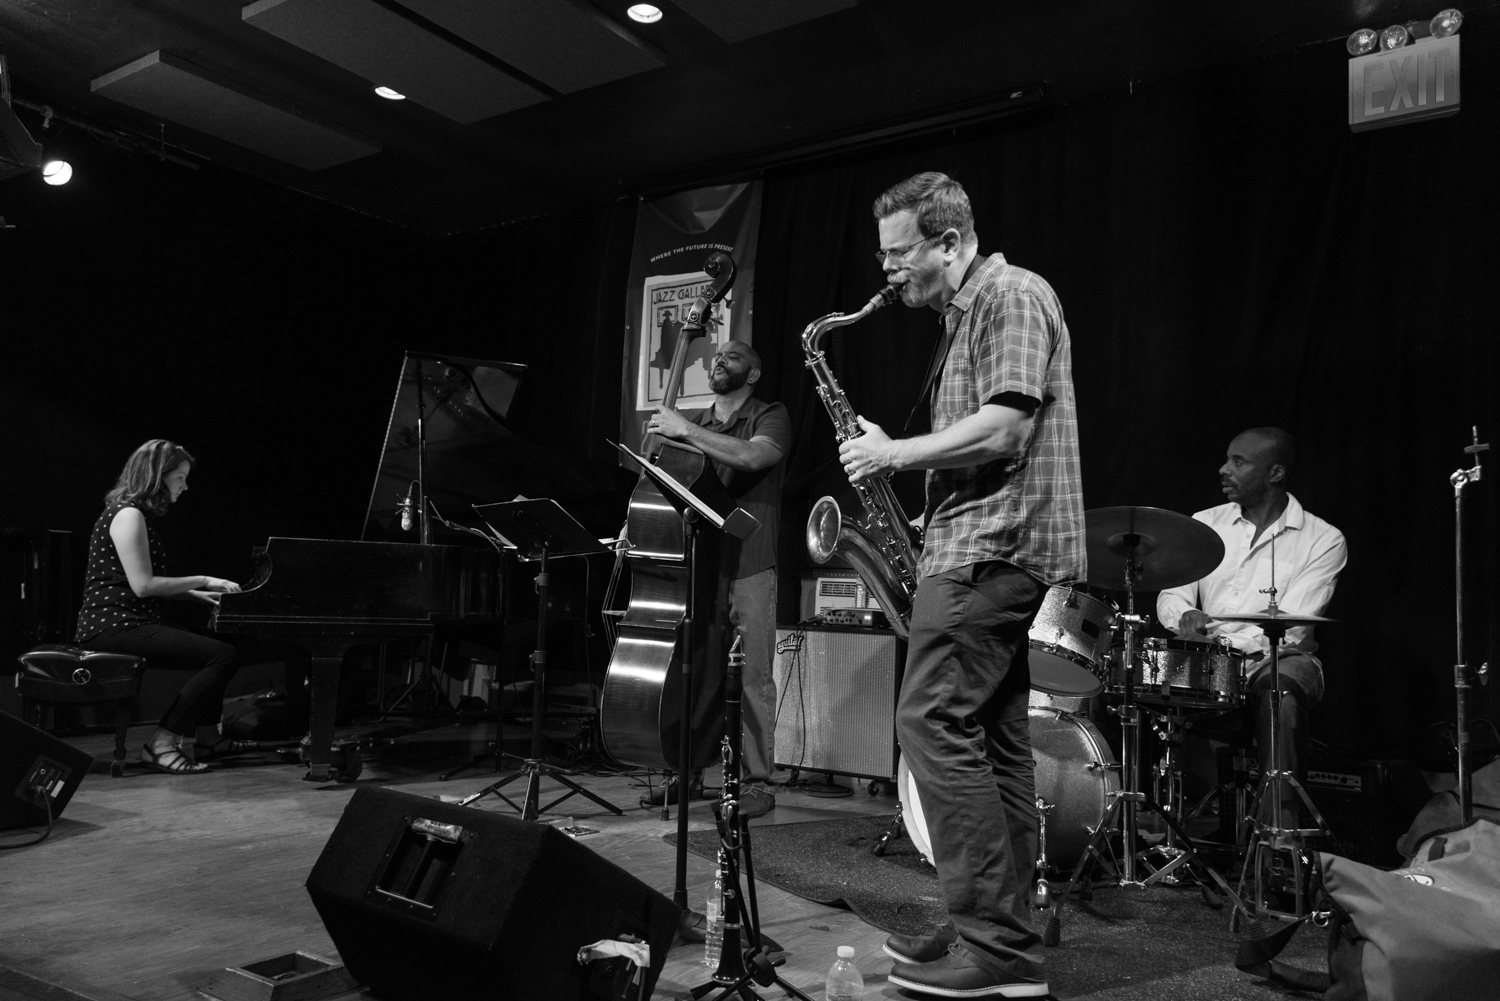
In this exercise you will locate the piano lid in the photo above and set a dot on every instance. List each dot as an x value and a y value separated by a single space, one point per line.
474 457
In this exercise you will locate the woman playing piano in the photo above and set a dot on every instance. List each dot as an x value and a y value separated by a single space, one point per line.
122 593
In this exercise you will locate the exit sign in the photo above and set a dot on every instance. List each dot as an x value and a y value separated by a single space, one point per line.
1409 84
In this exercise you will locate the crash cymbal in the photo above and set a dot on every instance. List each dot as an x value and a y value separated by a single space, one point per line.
1262 618
1172 549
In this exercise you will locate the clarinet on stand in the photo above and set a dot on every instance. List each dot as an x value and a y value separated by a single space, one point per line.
1461 680
738 965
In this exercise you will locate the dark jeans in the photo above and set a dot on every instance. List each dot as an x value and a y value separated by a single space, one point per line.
201 701
964 726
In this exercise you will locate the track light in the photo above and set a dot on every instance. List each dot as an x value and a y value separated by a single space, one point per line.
57 172
644 13
390 94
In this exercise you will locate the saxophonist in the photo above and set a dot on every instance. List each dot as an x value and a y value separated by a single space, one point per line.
1004 520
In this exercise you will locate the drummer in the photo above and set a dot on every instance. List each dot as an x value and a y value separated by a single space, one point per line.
1265 529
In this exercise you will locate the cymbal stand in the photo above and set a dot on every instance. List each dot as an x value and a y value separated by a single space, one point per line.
1461 680
1126 803
1269 837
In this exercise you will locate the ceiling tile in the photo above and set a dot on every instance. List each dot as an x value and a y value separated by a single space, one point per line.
167 87
565 44
371 41
736 20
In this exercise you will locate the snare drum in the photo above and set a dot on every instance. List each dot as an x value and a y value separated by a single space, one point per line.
1188 673
1069 641
1076 772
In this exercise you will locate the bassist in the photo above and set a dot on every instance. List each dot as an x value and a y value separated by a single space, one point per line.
747 439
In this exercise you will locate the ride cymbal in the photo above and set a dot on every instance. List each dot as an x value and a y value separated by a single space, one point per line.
1170 548
1285 618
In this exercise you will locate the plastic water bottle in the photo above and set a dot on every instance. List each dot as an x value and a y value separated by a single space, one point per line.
844 982
713 939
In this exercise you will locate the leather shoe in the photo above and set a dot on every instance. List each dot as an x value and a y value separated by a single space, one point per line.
756 803
667 792
917 949
960 975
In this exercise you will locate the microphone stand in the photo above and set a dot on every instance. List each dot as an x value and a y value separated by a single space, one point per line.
1461 680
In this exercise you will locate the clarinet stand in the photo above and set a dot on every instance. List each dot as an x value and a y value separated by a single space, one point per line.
1461 679
1125 804
733 975
540 529
1269 837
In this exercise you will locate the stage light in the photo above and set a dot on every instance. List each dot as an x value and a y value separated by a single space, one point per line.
1447 22
1394 37
56 172
644 13
389 94
1362 41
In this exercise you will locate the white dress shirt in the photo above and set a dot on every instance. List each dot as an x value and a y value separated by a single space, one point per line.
1309 553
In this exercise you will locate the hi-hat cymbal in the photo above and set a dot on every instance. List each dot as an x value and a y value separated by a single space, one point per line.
1172 549
1285 618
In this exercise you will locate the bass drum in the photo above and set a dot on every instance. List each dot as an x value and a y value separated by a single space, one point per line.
1075 773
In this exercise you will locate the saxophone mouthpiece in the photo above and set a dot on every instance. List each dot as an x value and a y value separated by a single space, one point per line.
884 297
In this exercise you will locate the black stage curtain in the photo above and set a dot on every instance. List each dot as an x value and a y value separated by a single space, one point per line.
1227 254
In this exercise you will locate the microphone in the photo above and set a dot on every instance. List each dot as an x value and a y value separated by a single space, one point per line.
405 507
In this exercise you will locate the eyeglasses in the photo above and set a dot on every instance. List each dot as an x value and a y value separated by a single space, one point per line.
902 253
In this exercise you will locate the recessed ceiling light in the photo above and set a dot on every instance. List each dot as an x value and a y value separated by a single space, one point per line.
389 94
57 172
644 13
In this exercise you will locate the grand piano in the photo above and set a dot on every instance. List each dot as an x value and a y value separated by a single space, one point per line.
328 595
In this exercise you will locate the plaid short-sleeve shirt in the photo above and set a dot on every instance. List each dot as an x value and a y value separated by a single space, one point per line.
1007 335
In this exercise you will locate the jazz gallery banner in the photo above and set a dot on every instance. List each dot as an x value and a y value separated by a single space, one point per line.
673 238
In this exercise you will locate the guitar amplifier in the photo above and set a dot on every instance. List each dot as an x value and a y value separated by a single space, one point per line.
1368 803
836 700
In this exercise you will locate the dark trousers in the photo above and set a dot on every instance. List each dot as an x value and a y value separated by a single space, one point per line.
201 700
964 727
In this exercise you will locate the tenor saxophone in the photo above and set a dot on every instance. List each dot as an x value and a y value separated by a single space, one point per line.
882 547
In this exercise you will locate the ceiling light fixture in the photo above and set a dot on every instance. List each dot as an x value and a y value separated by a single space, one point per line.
644 13
56 172
390 94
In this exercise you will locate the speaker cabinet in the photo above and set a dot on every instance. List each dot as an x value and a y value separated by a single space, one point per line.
836 700
31 761
426 899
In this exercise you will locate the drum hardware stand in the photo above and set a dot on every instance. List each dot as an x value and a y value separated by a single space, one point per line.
1268 838
1125 803
540 528
740 909
1461 680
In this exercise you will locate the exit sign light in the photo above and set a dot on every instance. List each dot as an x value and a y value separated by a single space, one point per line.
1409 84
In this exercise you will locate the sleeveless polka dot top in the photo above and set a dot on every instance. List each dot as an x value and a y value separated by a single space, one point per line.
108 601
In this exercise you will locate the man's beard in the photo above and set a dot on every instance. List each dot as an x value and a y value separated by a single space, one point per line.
726 381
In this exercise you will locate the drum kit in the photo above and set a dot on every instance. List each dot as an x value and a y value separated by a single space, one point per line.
1087 801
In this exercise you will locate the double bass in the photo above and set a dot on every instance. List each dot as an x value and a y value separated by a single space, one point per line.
674 581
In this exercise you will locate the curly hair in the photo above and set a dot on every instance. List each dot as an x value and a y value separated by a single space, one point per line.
940 204
143 480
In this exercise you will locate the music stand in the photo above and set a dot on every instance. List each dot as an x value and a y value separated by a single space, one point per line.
538 530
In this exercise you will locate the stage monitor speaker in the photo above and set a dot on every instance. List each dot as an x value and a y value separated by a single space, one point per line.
426 899
836 700
32 761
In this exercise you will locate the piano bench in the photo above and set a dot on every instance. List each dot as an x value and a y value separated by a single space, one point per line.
57 675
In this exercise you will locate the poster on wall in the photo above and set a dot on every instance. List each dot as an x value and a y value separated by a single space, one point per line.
673 238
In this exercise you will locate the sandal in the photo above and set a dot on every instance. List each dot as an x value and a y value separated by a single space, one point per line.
222 748
172 761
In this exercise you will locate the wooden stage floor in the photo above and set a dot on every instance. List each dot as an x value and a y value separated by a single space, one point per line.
153 883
